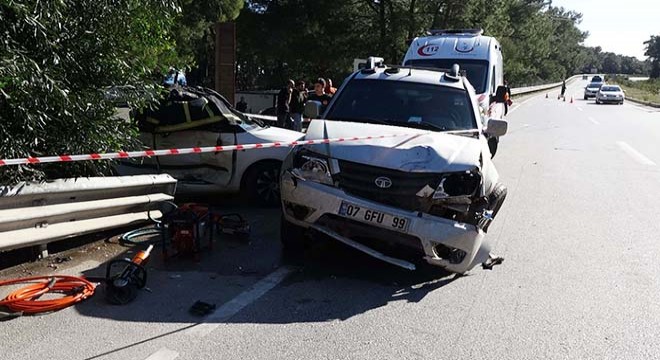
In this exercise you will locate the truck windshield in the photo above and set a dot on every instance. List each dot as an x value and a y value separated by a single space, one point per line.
476 70
402 103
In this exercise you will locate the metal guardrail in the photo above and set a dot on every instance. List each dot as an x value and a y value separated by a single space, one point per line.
40 213
532 89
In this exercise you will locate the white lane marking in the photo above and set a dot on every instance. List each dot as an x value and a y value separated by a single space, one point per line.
594 120
235 305
581 109
639 157
163 354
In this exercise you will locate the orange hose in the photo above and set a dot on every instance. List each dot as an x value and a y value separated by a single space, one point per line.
26 300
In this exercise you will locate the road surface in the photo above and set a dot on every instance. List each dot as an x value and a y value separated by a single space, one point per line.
579 234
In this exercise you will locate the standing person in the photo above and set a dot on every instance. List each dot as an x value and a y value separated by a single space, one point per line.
297 107
507 97
242 105
320 95
283 103
329 89
563 89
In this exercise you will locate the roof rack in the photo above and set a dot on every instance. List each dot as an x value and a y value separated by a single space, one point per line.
475 32
461 72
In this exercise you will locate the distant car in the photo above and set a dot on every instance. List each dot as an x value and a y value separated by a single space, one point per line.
597 79
610 94
592 89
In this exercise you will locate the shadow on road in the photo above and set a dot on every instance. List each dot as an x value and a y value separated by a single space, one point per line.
332 281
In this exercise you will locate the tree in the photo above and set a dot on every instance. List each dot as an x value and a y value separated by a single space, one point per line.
653 53
194 34
56 59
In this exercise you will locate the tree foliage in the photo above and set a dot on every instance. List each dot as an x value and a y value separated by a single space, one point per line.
281 39
653 52
57 58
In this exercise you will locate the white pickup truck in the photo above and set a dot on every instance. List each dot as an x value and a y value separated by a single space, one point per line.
430 194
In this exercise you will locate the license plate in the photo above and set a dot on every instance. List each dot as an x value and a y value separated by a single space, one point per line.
379 218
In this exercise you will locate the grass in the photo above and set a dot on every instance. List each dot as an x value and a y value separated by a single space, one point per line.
648 90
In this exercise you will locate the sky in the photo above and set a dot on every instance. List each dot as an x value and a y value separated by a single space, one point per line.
619 26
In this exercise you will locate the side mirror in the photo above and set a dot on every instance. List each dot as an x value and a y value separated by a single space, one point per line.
312 109
496 127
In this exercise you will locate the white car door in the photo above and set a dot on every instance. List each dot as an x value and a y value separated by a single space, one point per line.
214 168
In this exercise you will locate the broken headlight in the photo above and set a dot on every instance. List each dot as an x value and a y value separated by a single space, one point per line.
312 167
464 183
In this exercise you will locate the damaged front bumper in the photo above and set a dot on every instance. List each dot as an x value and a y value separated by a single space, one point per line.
455 246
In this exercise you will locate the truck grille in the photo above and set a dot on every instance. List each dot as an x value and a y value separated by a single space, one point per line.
360 180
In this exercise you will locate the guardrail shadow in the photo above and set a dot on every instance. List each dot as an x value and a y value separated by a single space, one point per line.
331 282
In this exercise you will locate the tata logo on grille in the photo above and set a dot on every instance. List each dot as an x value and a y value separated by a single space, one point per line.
383 182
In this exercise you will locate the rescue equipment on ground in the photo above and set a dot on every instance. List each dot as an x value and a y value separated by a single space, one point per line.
26 300
122 287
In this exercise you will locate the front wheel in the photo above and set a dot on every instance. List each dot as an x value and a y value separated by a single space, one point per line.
262 183
495 201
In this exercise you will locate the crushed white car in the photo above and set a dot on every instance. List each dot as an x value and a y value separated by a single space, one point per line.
195 117
429 195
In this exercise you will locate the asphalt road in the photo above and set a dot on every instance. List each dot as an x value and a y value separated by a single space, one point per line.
580 278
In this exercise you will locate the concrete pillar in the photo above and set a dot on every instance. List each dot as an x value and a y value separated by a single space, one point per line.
225 60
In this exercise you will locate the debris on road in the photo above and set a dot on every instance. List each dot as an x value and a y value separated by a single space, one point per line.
201 308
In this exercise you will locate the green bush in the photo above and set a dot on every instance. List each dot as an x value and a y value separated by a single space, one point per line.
56 59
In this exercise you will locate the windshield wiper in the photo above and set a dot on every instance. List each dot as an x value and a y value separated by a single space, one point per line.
367 120
426 125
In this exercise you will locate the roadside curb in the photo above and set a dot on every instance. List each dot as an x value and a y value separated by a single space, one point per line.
642 102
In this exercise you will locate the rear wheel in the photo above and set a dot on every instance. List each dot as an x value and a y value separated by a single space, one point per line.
262 183
586 98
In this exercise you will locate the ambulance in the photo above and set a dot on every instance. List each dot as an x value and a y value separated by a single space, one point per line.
478 55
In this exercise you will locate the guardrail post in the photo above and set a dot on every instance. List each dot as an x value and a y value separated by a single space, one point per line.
40 251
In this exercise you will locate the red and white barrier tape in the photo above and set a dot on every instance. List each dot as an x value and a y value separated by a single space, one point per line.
194 150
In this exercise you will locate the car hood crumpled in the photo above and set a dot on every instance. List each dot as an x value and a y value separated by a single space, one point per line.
417 151
274 134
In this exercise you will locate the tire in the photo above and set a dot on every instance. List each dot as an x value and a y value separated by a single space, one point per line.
586 98
597 101
261 183
293 240
495 201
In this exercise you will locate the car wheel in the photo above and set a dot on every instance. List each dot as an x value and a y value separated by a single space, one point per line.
292 238
262 183
495 201
586 98
597 102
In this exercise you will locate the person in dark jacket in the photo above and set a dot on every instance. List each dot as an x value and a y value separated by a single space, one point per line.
297 107
242 105
283 103
320 95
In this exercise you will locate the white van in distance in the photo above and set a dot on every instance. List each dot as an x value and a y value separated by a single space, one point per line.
478 55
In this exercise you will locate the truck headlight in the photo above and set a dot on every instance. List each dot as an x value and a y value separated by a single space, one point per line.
312 167
458 184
